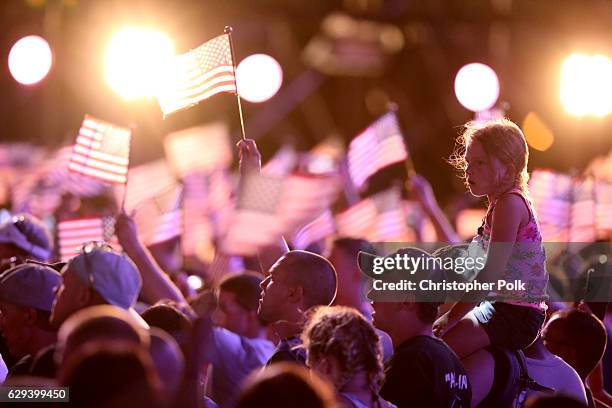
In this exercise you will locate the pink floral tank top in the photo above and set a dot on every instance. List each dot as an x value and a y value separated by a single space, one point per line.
527 263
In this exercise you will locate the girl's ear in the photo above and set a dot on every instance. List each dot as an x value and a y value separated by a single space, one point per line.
509 173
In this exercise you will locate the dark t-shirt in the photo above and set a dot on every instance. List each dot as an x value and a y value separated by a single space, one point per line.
425 372
289 350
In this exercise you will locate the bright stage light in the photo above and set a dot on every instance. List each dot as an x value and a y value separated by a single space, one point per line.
134 59
477 87
259 77
586 85
30 60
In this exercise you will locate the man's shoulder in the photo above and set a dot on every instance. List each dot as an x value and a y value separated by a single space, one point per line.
424 345
290 350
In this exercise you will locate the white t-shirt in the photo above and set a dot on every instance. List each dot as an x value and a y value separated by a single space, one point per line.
233 357
555 373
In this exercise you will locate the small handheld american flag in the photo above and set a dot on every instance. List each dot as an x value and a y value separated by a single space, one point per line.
101 151
73 233
197 75
378 146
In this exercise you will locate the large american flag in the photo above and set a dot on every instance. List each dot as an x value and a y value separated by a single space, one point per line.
73 233
378 146
197 75
101 151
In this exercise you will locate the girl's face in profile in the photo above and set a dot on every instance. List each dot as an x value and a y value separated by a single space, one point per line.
482 171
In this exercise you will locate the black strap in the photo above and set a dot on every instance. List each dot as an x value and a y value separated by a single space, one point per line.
526 379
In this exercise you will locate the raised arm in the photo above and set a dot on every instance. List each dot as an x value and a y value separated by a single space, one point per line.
156 285
250 162
423 193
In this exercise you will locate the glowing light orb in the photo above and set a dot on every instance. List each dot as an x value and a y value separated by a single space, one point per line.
195 282
30 60
477 87
135 58
259 77
586 85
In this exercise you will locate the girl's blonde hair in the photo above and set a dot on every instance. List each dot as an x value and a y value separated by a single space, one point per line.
343 333
500 138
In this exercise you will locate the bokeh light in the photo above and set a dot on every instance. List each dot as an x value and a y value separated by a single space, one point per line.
477 87
586 85
30 60
134 59
537 133
195 282
259 77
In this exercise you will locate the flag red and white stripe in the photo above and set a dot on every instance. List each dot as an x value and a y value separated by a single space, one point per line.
603 207
101 151
197 75
571 209
197 226
282 163
147 181
316 230
199 149
159 218
378 146
380 217
72 234
269 207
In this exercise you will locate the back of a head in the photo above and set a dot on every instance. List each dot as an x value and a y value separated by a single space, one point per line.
118 376
28 236
315 274
500 138
430 269
344 334
582 331
169 319
104 323
245 287
167 359
111 274
30 285
285 385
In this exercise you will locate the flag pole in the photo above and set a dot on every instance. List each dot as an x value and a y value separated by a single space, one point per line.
228 31
409 165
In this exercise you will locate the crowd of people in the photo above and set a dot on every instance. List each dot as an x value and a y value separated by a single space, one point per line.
301 331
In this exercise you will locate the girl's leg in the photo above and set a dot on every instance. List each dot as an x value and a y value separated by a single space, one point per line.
466 337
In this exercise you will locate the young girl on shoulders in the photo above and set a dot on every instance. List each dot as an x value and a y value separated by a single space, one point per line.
493 156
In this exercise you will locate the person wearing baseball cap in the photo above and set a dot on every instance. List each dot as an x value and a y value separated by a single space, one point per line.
423 371
26 297
97 275
23 237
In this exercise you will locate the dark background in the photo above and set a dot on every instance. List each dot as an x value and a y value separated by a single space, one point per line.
525 41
